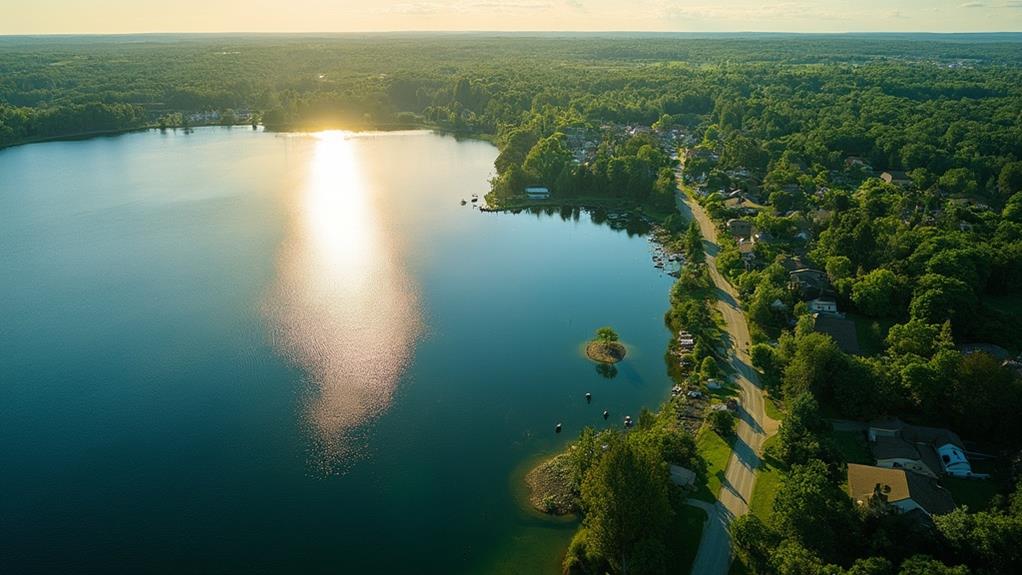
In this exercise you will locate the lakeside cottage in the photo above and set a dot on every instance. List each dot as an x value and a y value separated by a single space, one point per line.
537 193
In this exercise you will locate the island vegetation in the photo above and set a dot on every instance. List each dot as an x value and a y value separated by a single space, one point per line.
605 347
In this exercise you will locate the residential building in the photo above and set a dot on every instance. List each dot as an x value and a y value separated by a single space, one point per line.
842 330
537 193
929 451
906 492
739 228
823 305
896 177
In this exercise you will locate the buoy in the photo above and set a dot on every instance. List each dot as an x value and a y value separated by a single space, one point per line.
589 397
606 414
558 428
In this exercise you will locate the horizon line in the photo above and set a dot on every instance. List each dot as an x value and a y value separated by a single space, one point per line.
517 32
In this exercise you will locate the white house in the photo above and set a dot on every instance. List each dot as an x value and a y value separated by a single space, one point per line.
823 305
929 451
537 193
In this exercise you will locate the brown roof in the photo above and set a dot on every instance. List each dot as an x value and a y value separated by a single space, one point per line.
898 485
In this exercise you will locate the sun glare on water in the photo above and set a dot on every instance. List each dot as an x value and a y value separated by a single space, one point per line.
342 308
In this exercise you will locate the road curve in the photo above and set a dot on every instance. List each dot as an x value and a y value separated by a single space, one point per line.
714 555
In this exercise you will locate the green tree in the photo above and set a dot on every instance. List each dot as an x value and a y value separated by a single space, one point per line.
754 540
1009 181
813 511
801 436
606 334
722 422
627 512
876 293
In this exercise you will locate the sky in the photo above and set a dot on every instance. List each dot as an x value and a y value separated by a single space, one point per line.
136 16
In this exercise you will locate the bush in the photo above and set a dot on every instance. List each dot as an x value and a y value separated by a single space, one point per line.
722 422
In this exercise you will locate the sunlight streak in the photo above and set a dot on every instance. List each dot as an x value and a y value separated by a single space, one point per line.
343 308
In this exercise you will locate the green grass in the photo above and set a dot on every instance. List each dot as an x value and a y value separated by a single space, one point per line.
871 333
773 410
689 522
716 451
726 390
977 493
852 445
768 482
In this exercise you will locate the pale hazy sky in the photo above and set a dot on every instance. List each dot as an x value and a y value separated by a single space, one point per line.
124 16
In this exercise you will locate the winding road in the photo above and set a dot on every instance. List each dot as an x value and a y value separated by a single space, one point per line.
714 556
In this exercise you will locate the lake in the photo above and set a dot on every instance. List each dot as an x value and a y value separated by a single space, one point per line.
232 351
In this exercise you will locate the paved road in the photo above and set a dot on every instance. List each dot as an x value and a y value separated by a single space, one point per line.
714 556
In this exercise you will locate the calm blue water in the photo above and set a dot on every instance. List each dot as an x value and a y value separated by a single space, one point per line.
239 352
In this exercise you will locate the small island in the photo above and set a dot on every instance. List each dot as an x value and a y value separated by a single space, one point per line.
605 347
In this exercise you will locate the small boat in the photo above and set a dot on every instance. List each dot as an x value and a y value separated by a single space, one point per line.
474 200
606 414
558 428
589 397
463 202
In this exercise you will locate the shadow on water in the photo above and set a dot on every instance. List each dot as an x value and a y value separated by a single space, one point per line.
606 370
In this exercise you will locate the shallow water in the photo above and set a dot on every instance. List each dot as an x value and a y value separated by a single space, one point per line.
234 351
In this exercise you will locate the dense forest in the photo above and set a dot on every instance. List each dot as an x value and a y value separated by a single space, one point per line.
792 134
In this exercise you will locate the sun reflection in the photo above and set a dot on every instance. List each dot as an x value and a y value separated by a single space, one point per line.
342 307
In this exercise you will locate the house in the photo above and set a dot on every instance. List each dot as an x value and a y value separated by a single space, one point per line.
762 237
823 305
738 228
537 193
842 330
682 477
905 491
896 177
748 252
929 451
810 283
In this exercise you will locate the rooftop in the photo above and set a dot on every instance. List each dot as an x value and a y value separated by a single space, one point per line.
898 485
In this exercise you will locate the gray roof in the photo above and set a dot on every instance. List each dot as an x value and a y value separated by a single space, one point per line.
841 329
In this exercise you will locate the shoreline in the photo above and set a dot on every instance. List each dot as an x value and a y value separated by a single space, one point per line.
489 138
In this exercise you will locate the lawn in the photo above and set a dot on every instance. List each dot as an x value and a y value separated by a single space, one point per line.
977 493
772 408
871 333
716 451
852 444
768 482
689 522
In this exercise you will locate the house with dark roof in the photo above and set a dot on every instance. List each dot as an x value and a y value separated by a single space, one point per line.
929 451
839 328
907 492
809 283
738 228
